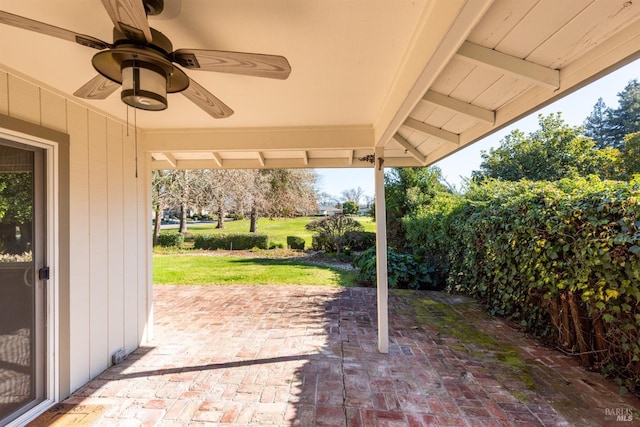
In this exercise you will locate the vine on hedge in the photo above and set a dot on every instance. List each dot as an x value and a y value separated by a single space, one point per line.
562 259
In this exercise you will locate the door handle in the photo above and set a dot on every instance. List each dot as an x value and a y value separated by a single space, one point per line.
26 276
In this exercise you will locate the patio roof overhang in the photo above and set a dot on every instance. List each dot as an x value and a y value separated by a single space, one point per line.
419 79
374 83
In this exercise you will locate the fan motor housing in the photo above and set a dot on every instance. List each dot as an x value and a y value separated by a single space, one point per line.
153 55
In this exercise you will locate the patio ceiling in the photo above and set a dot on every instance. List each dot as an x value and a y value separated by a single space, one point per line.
419 78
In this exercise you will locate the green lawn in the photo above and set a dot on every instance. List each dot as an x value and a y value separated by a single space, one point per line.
171 266
276 229
187 269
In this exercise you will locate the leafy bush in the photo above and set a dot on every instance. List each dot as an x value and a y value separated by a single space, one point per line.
170 240
403 270
360 240
274 245
331 232
350 207
231 241
562 259
295 242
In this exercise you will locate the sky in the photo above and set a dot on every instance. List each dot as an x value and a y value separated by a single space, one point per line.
575 109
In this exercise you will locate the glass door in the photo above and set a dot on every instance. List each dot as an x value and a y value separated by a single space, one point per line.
21 290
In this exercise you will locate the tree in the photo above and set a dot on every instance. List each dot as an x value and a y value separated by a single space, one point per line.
406 189
185 190
280 193
350 207
16 211
289 192
596 125
631 154
221 191
556 150
326 199
607 126
353 194
159 182
625 119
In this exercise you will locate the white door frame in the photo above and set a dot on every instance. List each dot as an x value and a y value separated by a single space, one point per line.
50 258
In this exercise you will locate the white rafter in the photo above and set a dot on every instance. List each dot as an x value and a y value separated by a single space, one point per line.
538 74
410 148
459 106
172 160
217 159
432 130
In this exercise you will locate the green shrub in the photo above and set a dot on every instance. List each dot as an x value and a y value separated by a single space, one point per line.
295 242
350 208
274 245
403 270
331 231
170 240
562 259
360 240
231 241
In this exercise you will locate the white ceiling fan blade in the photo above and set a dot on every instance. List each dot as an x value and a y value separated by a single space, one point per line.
249 64
205 100
51 30
130 18
98 87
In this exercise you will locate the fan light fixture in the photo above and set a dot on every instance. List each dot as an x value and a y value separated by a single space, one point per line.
144 85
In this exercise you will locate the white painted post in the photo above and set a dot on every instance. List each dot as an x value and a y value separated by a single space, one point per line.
381 253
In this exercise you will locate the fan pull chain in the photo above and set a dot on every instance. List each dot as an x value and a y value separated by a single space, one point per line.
135 120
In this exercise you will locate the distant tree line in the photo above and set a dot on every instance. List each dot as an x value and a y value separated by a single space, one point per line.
608 145
253 193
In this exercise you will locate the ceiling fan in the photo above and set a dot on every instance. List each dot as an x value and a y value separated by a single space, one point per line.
143 61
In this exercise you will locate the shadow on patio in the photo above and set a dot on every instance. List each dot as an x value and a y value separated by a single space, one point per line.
307 356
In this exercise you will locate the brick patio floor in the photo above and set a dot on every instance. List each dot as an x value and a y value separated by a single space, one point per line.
307 356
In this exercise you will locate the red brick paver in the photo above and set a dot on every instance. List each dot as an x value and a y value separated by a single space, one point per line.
307 356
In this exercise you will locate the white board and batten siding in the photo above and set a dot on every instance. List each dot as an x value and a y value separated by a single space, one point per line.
109 283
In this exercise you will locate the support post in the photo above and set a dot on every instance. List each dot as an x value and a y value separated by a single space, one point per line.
381 253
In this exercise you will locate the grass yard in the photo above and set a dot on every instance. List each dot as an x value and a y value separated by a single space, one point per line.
276 229
188 267
203 269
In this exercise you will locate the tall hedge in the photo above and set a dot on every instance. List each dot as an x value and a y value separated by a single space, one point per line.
562 259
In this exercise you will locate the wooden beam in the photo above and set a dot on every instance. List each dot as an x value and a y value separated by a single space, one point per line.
256 139
217 159
536 73
305 158
432 130
273 164
350 157
172 160
261 158
410 148
459 106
